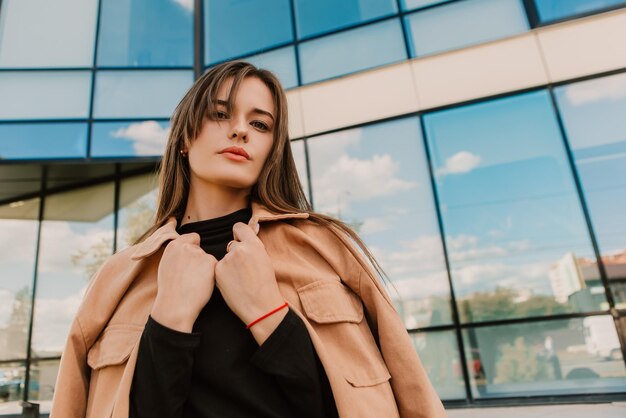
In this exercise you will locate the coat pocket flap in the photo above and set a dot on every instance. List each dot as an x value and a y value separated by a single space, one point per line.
328 301
368 377
114 345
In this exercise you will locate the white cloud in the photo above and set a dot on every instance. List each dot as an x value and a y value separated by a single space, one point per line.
607 88
56 258
358 180
53 320
6 305
466 247
185 4
372 225
148 137
459 163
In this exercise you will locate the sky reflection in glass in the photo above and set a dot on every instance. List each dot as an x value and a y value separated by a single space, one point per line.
129 139
235 28
376 179
146 33
464 23
593 115
513 224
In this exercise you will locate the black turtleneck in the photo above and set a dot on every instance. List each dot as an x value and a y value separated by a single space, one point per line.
219 370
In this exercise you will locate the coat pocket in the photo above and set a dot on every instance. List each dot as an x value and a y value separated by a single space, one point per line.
327 301
114 345
337 316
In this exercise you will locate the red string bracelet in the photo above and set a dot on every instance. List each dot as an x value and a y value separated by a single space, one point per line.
266 315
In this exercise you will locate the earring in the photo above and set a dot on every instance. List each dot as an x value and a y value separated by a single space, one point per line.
184 154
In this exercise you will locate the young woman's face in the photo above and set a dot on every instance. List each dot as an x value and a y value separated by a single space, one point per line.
254 131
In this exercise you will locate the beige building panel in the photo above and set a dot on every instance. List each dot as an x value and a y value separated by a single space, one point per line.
483 70
296 127
589 45
369 95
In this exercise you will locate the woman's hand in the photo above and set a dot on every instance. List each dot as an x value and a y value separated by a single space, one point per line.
186 278
246 279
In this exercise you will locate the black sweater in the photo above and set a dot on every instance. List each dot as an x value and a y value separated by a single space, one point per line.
219 370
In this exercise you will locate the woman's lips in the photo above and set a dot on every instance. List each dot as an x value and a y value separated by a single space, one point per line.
234 157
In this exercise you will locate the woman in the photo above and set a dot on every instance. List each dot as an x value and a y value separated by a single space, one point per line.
239 300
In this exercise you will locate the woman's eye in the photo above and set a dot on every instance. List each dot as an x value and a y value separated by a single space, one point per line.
218 113
263 126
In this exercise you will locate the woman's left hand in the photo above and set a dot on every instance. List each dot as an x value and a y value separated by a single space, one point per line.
245 277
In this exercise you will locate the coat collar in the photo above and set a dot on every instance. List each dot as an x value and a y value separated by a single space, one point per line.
260 213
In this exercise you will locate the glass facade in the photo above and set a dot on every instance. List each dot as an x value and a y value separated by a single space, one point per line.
552 10
499 221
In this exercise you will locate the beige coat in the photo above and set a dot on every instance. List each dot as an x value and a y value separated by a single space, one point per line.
372 366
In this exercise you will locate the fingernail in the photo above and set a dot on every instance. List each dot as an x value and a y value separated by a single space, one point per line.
257 228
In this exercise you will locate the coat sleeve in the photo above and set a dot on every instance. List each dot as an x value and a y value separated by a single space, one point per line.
414 393
72 385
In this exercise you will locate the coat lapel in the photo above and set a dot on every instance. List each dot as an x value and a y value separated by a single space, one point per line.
260 213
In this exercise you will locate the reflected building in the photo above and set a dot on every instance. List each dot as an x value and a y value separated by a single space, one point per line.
482 163
566 278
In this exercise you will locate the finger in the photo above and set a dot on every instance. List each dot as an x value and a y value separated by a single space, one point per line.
242 232
191 237
230 245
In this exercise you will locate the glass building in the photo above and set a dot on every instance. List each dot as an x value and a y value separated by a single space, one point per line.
477 146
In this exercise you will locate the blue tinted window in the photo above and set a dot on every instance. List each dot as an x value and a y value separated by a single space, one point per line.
559 9
318 16
354 50
514 227
59 33
128 139
127 94
593 114
414 4
464 23
42 140
235 28
282 62
44 94
146 33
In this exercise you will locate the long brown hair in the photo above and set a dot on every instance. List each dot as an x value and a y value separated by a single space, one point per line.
278 186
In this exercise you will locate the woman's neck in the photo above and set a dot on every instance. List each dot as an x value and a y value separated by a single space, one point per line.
212 202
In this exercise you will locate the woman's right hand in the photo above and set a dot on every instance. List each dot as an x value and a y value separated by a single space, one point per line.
186 279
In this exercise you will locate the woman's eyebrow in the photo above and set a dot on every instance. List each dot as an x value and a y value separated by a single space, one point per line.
255 110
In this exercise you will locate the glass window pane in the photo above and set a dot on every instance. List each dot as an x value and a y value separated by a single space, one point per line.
11 382
282 62
137 208
43 376
44 94
351 51
558 9
440 356
19 179
35 33
517 241
150 94
558 357
129 139
297 149
414 4
234 28
43 140
318 16
82 221
593 115
18 223
464 23
142 33
376 179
